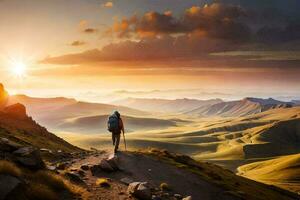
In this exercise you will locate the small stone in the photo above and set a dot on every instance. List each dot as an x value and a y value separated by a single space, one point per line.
178 196
139 190
61 166
74 178
187 198
52 168
126 180
85 167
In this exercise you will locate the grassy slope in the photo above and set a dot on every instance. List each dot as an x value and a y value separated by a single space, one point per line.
282 171
28 132
236 185
251 137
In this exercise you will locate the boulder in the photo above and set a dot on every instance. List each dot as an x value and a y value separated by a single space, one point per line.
113 161
105 166
8 146
95 169
29 158
139 190
7 185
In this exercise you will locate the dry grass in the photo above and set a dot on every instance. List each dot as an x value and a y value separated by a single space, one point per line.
103 182
9 168
37 191
58 183
52 180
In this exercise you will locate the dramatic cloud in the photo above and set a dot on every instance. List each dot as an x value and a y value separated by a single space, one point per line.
78 43
108 4
199 33
213 21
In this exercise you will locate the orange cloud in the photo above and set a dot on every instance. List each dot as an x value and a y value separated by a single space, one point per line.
108 4
78 43
90 30
216 20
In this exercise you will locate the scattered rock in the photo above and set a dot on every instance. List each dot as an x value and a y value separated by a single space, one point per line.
139 190
74 178
105 166
85 167
8 146
7 185
178 196
46 150
154 197
187 198
29 157
126 180
61 166
81 173
50 167
95 169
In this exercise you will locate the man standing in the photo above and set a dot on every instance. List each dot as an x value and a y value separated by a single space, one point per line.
116 126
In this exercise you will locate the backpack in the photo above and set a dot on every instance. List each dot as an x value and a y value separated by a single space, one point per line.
113 124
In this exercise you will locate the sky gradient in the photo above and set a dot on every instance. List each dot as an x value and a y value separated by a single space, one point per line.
93 49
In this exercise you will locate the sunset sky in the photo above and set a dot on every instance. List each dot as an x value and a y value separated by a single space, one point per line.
94 49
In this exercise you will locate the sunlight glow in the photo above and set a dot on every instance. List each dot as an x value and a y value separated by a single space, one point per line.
18 68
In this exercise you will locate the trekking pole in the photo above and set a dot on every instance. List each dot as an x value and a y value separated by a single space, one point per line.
125 142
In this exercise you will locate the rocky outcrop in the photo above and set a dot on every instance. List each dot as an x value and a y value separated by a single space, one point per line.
28 157
17 111
109 164
3 97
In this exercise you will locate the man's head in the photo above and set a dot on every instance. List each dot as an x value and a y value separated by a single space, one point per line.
117 114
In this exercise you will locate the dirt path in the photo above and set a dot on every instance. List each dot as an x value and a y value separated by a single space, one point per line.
117 190
142 168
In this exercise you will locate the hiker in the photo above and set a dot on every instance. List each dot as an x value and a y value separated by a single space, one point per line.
115 126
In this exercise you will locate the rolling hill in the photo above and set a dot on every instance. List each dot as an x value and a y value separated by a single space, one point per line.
239 108
53 111
282 171
98 124
165 105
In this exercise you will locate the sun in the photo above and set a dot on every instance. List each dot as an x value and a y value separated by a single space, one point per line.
19 68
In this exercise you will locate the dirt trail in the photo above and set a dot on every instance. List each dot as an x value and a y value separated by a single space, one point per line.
142 168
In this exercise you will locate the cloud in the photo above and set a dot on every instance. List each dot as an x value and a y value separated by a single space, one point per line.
90 30
197 34
213 21
78 43
108 4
